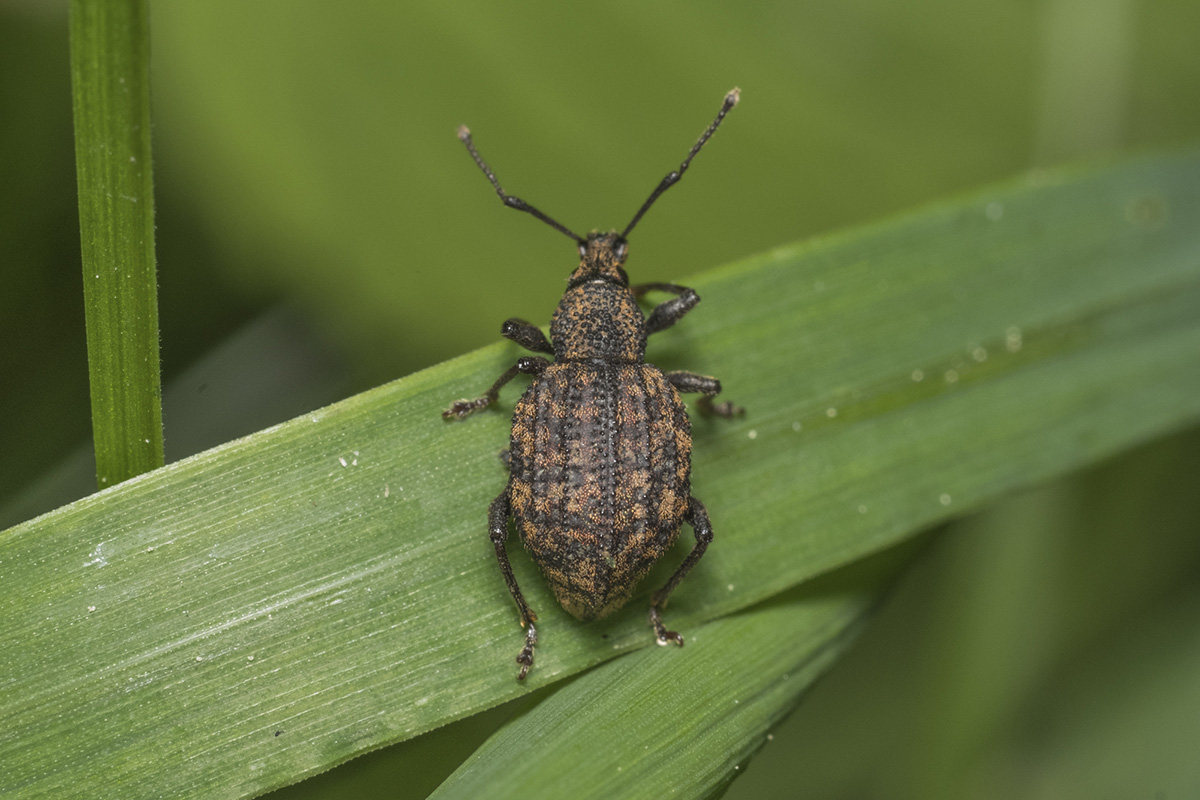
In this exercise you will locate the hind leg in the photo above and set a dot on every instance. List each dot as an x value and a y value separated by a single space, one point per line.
697 517
498 526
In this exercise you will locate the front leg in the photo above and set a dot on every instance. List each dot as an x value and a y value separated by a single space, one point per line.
526 334
708 388
498 528
529 365
667 314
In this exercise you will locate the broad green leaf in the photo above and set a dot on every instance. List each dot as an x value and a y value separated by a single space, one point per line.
1008 612
267 609
110 81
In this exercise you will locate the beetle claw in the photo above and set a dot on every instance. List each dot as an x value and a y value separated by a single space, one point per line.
665 636
525 658
725 409
460 409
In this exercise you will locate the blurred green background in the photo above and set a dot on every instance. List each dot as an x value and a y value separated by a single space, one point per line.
321 230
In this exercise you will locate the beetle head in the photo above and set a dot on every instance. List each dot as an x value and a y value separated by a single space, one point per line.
603 255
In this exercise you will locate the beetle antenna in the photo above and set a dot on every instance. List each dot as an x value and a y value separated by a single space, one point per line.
512 202
731 100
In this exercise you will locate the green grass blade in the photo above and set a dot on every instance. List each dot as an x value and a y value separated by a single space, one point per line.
644 726
267 609
110 81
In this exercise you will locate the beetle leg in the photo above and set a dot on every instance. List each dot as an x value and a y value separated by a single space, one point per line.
708 388
529 365
498 526
667 314
697 517
526 334
674 288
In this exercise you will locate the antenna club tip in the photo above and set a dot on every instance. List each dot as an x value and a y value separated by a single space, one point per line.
464 132
731 99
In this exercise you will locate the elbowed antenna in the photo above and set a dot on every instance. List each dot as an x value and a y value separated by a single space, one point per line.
514 202
731 100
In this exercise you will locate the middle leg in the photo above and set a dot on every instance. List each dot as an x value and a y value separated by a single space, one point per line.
708 389
528 365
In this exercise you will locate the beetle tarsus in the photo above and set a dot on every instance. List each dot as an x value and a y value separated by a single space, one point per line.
525 658
725 409
665 636
462 408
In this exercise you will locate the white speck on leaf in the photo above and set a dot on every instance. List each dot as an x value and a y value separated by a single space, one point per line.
1012 339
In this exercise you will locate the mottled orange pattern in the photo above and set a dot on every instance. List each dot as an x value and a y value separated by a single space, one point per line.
600 460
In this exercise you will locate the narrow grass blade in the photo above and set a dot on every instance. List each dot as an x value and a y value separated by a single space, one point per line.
110 81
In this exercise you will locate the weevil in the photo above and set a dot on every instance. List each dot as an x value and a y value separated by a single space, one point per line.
599 459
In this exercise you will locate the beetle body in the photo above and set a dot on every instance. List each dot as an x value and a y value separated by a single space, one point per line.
600 453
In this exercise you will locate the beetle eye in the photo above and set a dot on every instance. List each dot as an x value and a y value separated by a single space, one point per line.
621 249
582 249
